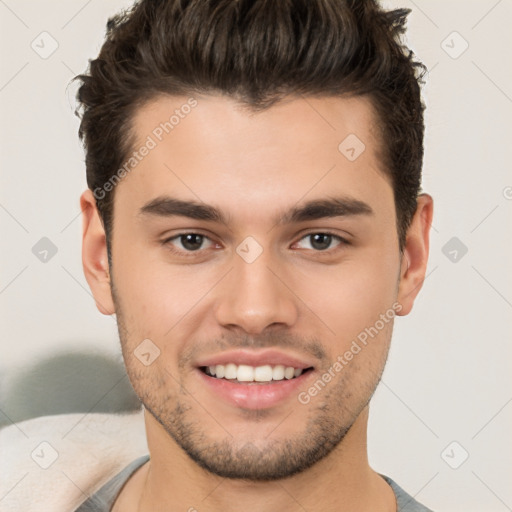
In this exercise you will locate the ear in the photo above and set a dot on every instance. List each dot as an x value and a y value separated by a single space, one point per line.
415 255
94 254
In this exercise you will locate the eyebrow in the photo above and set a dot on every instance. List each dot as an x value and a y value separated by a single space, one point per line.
165 206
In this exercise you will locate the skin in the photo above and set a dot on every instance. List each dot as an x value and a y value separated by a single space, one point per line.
294 297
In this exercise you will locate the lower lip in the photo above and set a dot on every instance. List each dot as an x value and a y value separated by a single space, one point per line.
255 395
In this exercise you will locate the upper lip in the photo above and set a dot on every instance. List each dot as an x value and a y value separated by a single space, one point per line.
270 357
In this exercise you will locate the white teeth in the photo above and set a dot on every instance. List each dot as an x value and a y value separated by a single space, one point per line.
219 371
231 371
246 373
278 372
288 372
263 373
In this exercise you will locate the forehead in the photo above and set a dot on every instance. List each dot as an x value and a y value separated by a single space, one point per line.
301 121
211 149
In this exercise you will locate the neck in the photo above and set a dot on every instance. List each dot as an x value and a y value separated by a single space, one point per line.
342 481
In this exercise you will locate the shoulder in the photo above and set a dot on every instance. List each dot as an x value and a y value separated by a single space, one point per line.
55 462
404 501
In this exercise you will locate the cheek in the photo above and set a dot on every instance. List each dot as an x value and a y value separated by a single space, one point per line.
162 303
351 296
154 294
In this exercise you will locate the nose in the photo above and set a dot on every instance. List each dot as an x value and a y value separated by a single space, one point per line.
255 296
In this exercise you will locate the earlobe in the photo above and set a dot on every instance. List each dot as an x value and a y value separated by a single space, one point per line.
94 254
415 254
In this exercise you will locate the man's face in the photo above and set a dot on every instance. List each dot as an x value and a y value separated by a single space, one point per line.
251 291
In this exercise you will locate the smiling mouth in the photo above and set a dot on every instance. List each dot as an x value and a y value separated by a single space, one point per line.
245 374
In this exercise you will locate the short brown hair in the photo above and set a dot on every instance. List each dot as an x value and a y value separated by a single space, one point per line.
257 52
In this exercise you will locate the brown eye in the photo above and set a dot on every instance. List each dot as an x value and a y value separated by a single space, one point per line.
323 241
320 241
186 243
191 241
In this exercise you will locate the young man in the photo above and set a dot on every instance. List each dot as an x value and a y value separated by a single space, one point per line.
254 221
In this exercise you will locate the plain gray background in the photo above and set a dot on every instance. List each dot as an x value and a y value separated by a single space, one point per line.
446 392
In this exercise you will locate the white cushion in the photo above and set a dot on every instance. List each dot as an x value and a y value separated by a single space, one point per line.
53 463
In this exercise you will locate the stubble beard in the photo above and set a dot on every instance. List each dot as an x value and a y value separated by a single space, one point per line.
329 419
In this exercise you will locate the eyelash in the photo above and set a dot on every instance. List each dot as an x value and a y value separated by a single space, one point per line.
188 254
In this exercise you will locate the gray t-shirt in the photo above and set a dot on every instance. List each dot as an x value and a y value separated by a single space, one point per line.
104 498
